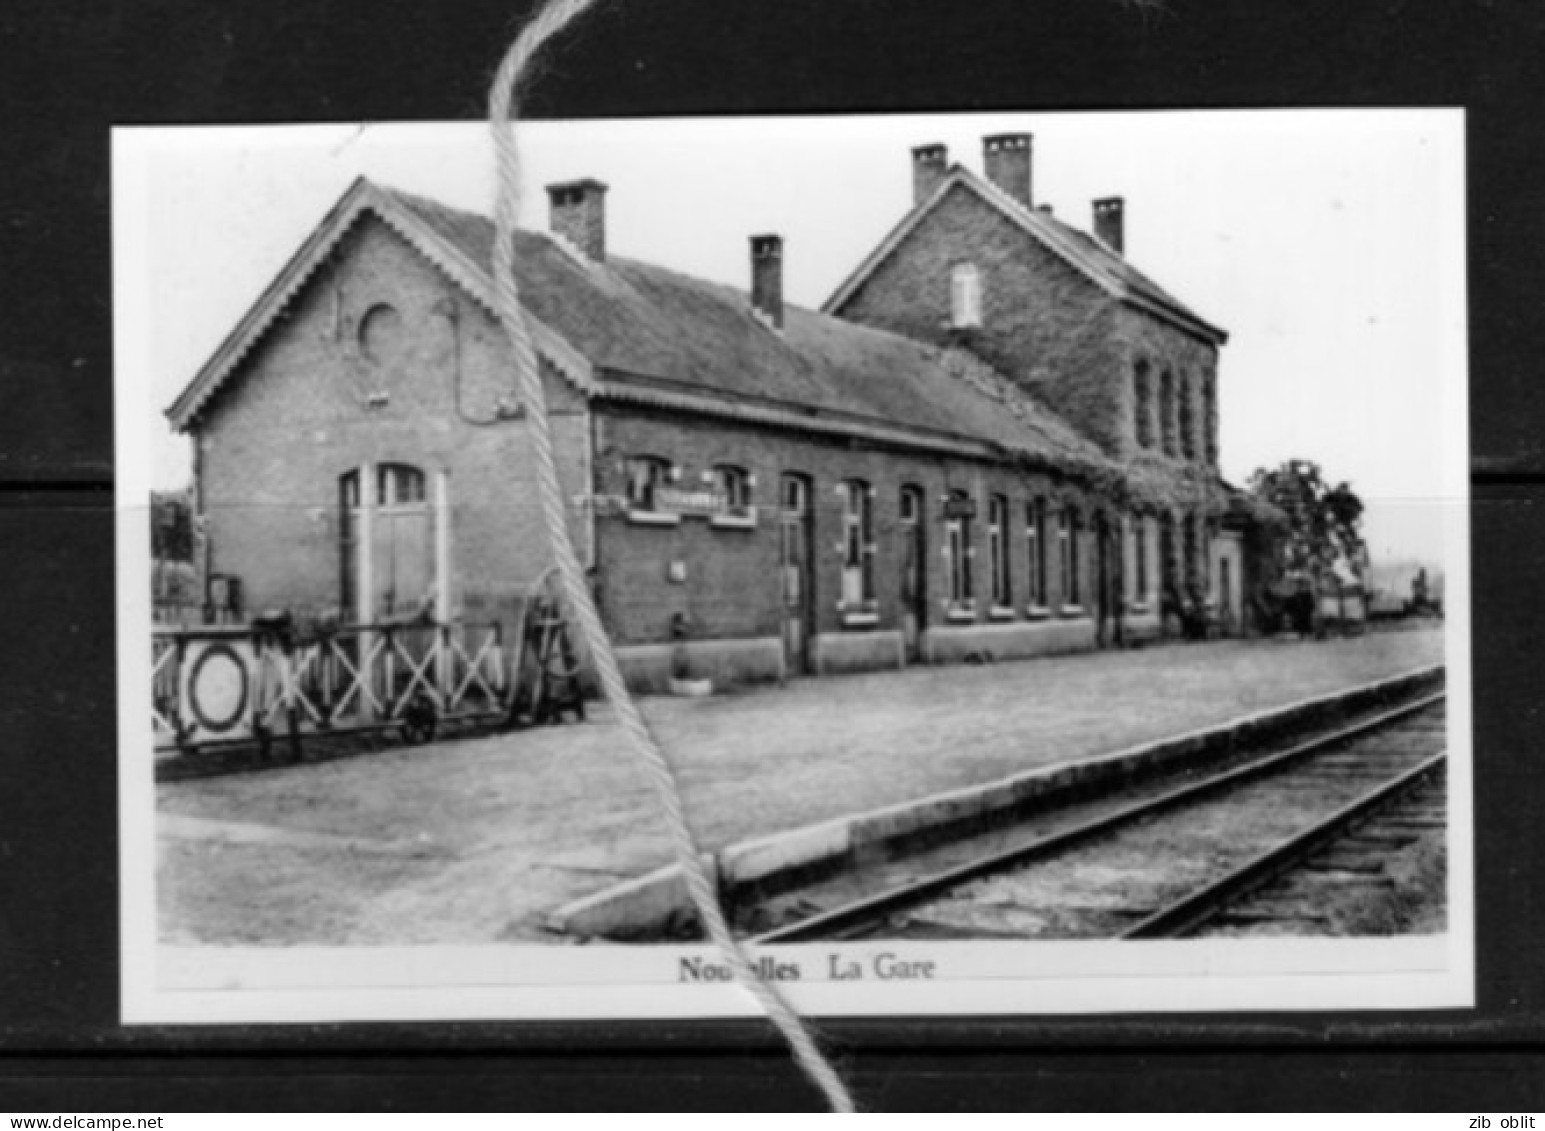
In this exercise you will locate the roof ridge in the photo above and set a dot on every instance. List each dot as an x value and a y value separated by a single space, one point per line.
1058 237
632 316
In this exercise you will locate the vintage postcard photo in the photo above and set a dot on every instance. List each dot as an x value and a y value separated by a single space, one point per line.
1039 542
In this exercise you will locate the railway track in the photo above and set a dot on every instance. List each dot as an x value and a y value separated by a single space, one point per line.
1163 864
1351 872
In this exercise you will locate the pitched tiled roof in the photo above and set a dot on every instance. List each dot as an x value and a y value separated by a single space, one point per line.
1100 263
630 330
672 331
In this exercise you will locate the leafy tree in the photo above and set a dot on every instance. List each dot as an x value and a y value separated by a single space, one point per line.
1323 520
171 526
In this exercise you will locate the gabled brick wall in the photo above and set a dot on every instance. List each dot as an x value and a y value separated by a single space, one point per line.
1044 323
298 416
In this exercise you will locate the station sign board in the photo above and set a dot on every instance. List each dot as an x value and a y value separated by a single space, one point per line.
704 503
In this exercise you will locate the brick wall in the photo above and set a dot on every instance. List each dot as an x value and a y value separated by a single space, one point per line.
1193 365
1043 323
732 585
298 416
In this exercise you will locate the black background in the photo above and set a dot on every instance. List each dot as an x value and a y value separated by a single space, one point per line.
70 71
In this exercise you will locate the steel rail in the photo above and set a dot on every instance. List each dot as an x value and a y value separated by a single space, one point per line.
849 917
1185 915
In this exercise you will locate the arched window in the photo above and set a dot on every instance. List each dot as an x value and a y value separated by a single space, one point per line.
959 509
913 548
1140 559
1068 533
857 544
1035 543
401 563
734 483
644 474
965 295
1142 404
998 550
1210 418
1194 562
1167 412
1188 446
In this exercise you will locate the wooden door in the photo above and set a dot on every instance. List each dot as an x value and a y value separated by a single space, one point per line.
914 579
794 572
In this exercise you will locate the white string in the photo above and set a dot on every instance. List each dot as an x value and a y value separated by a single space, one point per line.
552 19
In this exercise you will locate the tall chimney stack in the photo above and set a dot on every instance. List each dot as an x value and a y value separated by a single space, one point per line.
930 163
1108 224
578 214
1006 158
767 277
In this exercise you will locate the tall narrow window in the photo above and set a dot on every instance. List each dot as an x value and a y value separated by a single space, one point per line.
1194 566
1068 534
644 474
1140 556
857 545
997 550
965 295
1035 541
958 510
1210 418
1167 412
1188 445
1142 404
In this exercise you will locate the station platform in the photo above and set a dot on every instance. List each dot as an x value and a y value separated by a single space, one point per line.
479 841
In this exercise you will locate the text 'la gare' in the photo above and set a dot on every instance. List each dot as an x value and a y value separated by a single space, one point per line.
884 966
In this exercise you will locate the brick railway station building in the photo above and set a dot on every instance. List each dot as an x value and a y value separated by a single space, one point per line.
996 439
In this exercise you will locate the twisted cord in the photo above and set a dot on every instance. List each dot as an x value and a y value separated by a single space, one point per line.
551 20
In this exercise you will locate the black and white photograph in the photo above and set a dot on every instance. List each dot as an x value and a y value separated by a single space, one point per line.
1038 541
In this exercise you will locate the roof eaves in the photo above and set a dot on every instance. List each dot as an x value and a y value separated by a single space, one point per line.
1006 204
892 240
629 388
1030 222
250 329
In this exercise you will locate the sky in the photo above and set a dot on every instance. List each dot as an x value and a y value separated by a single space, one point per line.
1329 244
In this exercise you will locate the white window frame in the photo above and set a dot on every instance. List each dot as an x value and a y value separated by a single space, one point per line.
737 484
965 296
1072 583
957 563
998 556
1141 578
857 546
644 473
1036 550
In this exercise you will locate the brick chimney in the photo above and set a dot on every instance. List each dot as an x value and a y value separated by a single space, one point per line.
930 163
767 277
1108 221
578 214
1006 158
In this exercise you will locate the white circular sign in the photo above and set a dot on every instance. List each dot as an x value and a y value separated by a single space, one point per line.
218 688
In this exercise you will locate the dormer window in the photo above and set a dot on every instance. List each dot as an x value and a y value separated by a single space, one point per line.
965 296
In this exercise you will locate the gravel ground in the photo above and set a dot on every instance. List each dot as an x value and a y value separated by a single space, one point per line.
471 841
